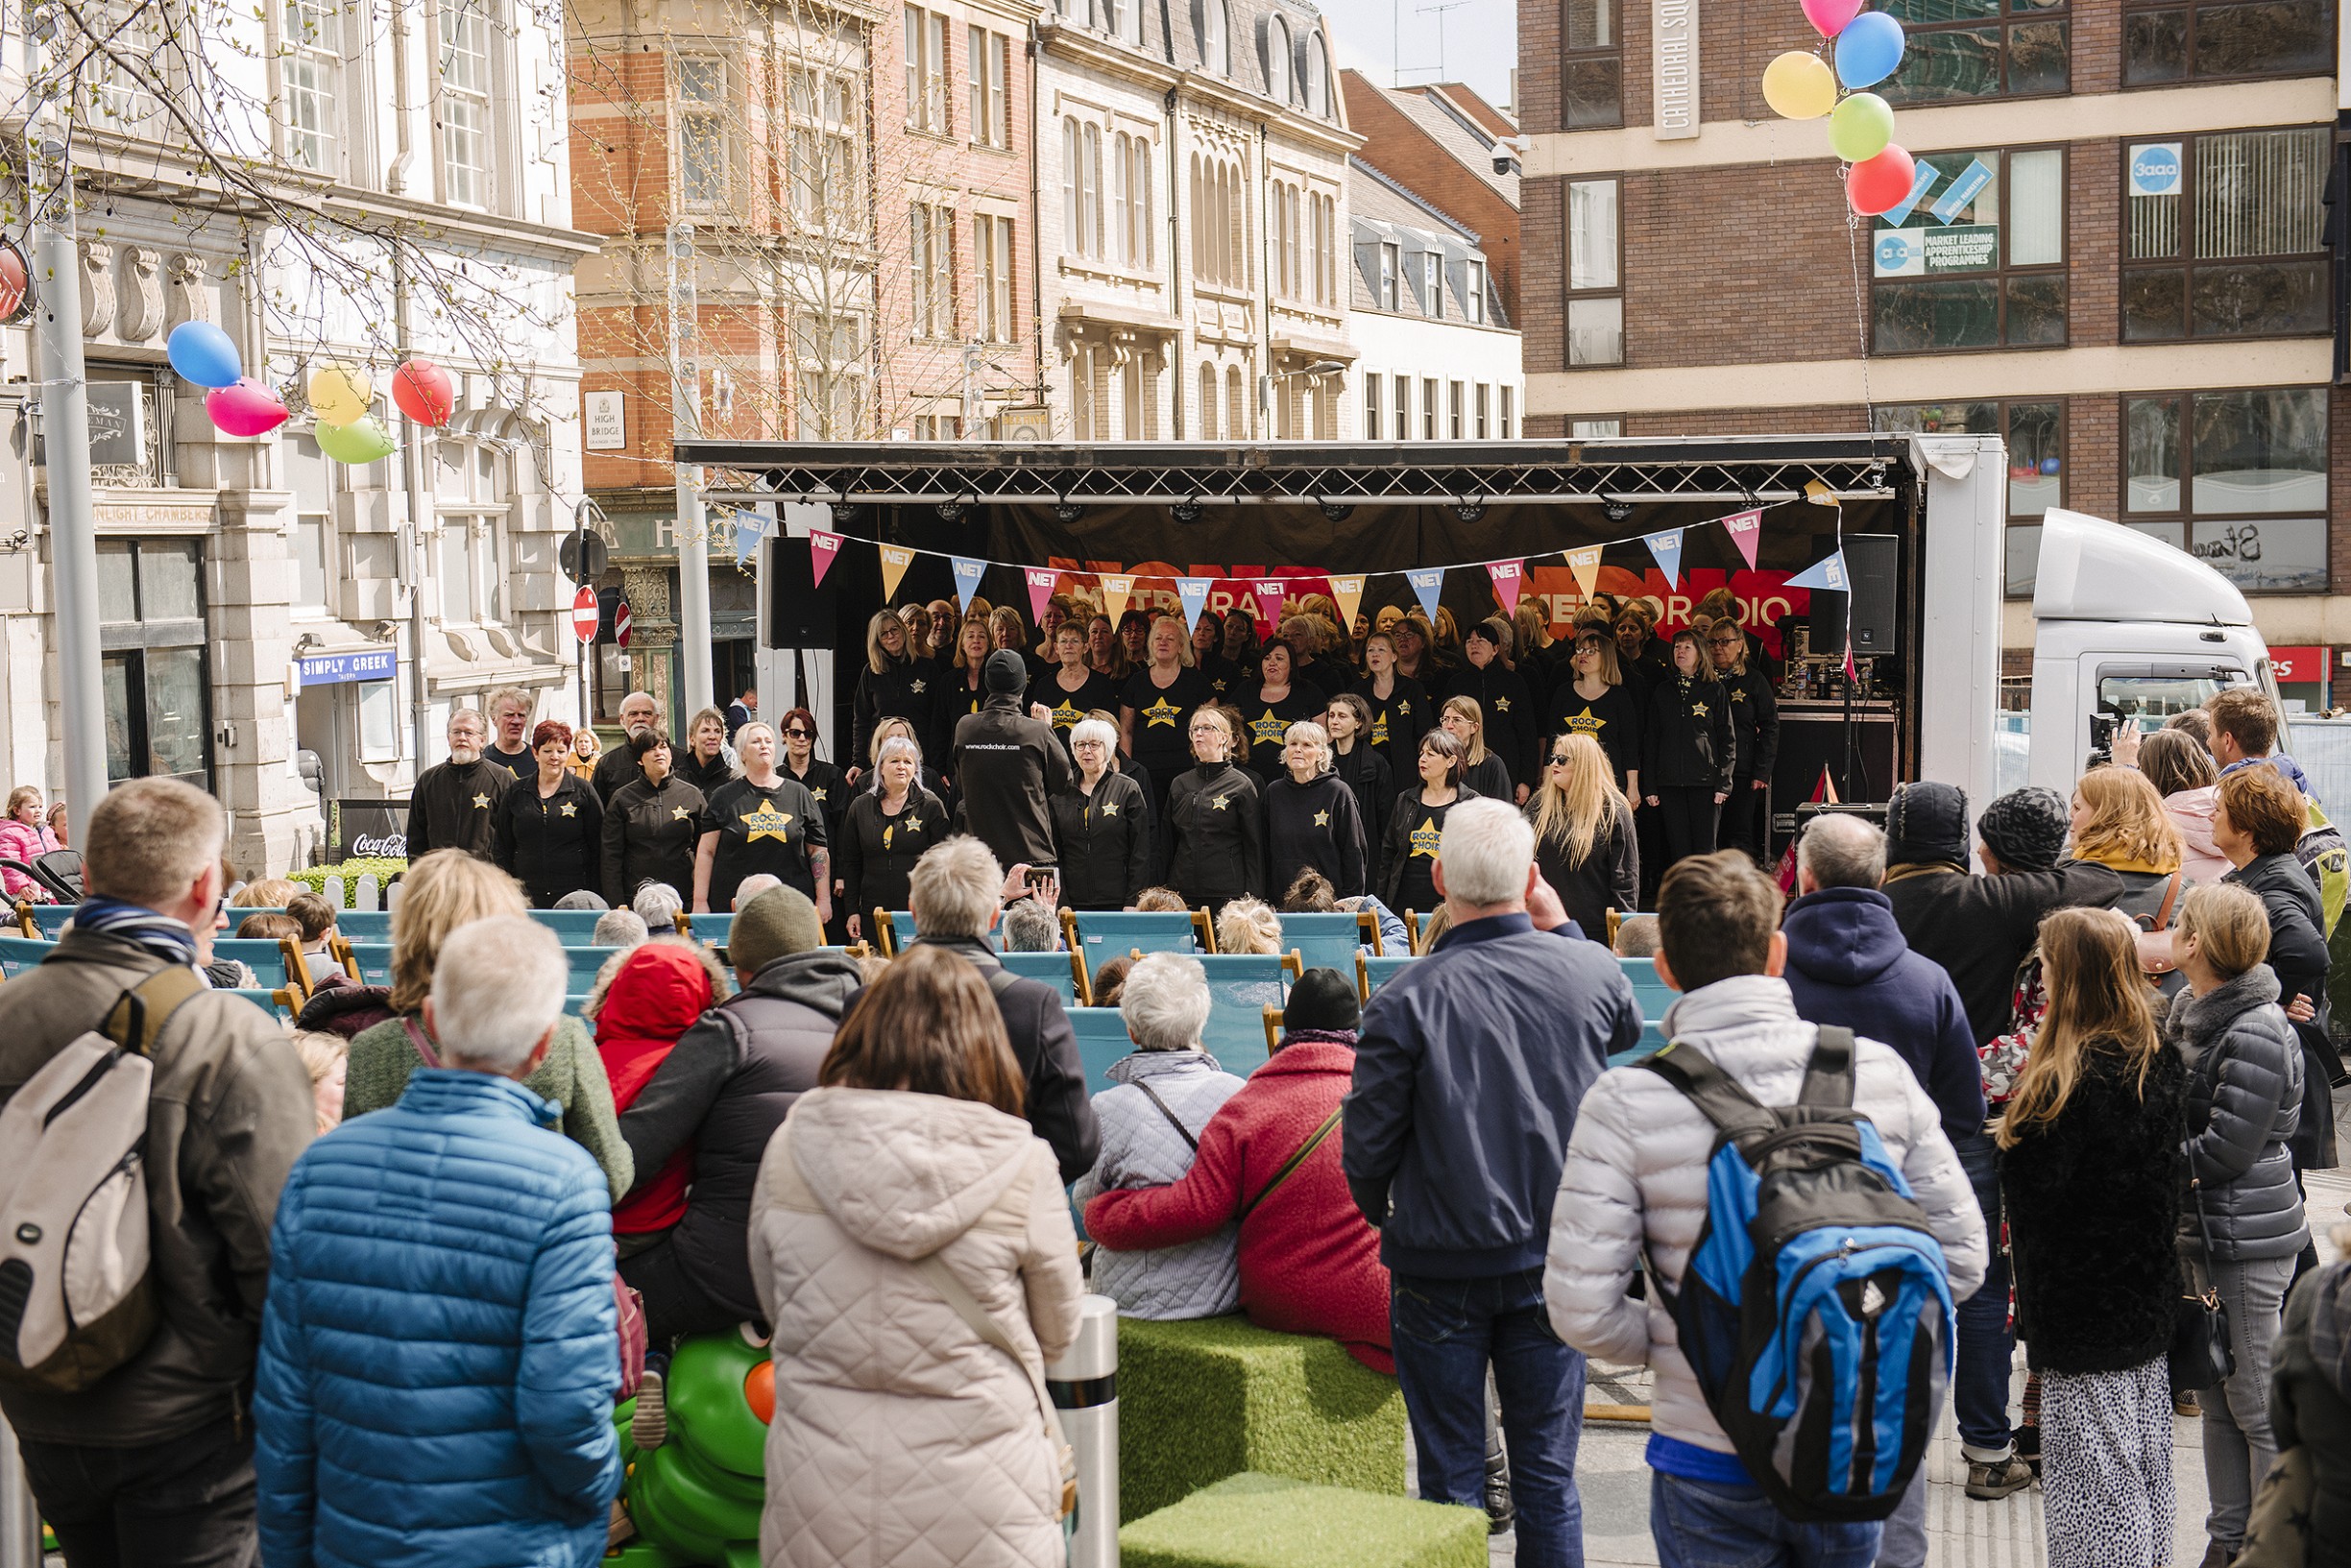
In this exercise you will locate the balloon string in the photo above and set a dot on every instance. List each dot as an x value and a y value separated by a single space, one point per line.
1852 247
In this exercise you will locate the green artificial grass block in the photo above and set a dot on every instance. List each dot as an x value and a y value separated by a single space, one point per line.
1260 1521
1212 1397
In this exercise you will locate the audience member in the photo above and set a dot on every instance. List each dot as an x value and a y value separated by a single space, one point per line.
752 886
267 893
1111 980
1030 927
1248 926
2309 1401
1637 937
327 1058
657 989
584 898
619 928
268 926
2183 774
1162 900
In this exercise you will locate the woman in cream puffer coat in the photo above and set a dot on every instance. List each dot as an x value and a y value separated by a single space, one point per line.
900 1434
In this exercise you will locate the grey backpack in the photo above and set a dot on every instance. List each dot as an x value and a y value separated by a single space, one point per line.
76 1300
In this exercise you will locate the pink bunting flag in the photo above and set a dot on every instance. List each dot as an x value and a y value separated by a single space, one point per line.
1269 593
1509 582
823 550
1746 530
1040 580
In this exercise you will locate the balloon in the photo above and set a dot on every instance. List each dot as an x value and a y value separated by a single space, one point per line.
1829 16
759 1391
1879 184
362 441
1869 49
1799 86
424 393
204 354
1860 127
245 407
339 393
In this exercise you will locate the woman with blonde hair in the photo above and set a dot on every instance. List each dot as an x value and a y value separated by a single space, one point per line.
906 1195
896 683
1592 698
2186 777
441 892
2119 822
585 748
1583 838
2092 1173
1248 926
965 690
1215 818
1754 730
1482 771
1311 819
1156 704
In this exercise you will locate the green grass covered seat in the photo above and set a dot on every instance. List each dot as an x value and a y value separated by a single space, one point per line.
1211 1397
1260 1521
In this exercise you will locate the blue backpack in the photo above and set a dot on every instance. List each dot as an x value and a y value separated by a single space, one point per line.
1816 1309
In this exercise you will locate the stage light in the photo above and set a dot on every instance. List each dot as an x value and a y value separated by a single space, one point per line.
846 514
1336 511
1066 510
1469 511
1616 511
953 511
1186 511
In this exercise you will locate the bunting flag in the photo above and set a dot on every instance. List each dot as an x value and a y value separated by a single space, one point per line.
1585 565
1040 581
1348 591
1508 578
1746 531
1194 592
748 526
1427 583
1269 593
1115 590
1828 574
1819 494
823 550
1667 546
895 559
967 575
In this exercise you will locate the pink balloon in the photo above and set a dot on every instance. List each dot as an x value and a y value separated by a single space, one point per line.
1879 184
1829 16
246 408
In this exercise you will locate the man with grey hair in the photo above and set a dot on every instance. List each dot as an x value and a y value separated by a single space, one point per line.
619 928
518 1250
639 713
657 904
1461 1178
158 1450
510 715
752 886
453 803
954 893
1029 927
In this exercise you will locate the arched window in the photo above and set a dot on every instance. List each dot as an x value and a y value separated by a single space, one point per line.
1236 406
1318 78
1089 194
1277 60
1200 223
1121 217
1208 402
1072 241
1216 35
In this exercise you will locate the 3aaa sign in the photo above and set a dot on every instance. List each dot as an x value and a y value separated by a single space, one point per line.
584 615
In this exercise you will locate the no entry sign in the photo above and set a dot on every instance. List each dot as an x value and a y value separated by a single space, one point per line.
621 624
584 615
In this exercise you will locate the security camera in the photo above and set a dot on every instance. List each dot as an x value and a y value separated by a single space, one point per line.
1507 154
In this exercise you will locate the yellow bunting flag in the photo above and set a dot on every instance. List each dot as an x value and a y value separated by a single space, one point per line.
1585 565
1819 494
1115 590
1348 592
895 559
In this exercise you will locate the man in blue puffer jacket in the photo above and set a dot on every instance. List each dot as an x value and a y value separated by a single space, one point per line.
439 1351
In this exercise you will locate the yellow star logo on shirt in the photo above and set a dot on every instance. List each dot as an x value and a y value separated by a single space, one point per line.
1109 808
1405 708
1379 728
766 823
1219 685
571 809
1265 730
677 814
1425 838
1698 709
1220 803
481 803
1067 715
1501 705
919 687
1162 711
1738 693
1587 722
1322 819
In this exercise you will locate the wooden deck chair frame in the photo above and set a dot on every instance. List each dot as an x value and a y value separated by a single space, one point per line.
1366 924
290 1000
26 924
1412 934
1363 981
1272 1028
1078 976
885 932
339 948
1616 918
683 920
1204 927
297 967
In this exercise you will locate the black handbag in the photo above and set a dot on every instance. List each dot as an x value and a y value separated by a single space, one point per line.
2203 1354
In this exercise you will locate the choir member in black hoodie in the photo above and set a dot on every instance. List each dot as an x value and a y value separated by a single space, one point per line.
1502 697
1361 767
1311 820
547 831
1688 752
1754 730
886 829
1103 823
652 826
1215 821
894 684
1400 709
1223 675
825 784
451 808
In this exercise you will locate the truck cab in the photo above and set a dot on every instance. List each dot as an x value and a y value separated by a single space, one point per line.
2127 629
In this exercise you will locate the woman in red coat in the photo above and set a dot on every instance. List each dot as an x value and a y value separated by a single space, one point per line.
651 997
1309 1264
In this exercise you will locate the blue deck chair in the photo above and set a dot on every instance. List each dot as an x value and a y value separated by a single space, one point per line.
1103 934
266 1000
1241 987
1054 969
1654 995
18 954
369 963
573 928
893 932
365 925
711 928
1370 974
1101 1040
50 918
1331 941
265 956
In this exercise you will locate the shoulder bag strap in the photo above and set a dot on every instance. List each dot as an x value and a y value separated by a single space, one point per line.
135 1022
1720 1098
1330 1124
422 1041
1174 1120
2163 915
1829 1076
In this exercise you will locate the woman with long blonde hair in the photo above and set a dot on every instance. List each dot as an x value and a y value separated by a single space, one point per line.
2091 1172
2119 822
1583 838
1463 718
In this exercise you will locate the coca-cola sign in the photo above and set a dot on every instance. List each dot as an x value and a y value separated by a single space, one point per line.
367 829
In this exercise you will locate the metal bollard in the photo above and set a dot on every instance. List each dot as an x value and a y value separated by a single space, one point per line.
1084 1389
20 1530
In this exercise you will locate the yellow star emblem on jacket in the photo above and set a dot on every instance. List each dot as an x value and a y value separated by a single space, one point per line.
481 803
913 825
766 823
1501 705
1425 838
1266 728
571 809
677 814
1322 819
1738 693
819 795
1109 808
1698 709
1162 711
1404 707
919 687
1220 803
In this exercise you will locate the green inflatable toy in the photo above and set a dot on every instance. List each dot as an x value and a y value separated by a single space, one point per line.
695 1500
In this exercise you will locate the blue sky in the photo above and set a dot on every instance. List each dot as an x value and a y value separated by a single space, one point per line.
1481 42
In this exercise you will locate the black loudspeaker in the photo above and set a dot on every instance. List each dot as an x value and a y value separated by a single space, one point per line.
1871 563
799 615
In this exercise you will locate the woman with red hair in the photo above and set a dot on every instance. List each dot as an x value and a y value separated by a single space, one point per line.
547 832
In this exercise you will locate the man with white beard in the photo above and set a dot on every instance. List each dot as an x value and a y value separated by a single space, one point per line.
639 713
450 806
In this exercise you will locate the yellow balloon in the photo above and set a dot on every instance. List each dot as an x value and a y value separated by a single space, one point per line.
1800 86
339 393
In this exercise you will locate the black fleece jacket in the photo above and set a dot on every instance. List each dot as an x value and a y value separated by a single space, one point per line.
651 833
1008 769
1980 927
1313 825
905 690
1106 841
1216 835
1686 739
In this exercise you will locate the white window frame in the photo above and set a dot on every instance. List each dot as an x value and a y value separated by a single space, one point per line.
702 120
311 75
990 107
1473 298
992 254
464 107
1277 60
1391 275
925 72
1216 36
1371 405
1432 284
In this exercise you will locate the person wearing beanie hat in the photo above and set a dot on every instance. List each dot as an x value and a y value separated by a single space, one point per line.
1980 928
1503 696
721 1092
1309 1264
1008 767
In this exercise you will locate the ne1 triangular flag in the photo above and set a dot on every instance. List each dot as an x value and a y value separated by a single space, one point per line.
1819 494
1427 583
1269 593
1667 546
1746 531
1115 590
1040 581
748 526
967 575
1194 592
1829 575
1509 581
1585 565
895 559
1348 592
823 548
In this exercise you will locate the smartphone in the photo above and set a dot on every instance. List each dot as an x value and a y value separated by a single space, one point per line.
1042 876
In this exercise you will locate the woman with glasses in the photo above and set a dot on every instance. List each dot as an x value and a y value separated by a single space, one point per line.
1311 820
825 784
1688 752
1064 695
1359 766
1216 820
894 684
763 822
1482 771
1595 701
1754 730
1417 821
1103 823
886 829
926 776
1155 707
1398 705
1583 838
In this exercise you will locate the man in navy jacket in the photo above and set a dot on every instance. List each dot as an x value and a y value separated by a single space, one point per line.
1467 1074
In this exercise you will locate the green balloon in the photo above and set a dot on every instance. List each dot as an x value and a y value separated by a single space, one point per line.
1860 127
362 441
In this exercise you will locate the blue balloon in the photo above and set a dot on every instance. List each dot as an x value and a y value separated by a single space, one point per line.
204 354
1869 49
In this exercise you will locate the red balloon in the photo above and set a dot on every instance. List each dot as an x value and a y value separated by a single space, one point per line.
425 392
1879 184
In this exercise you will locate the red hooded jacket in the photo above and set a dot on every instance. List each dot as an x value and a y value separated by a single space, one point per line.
658 992
1309 1264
